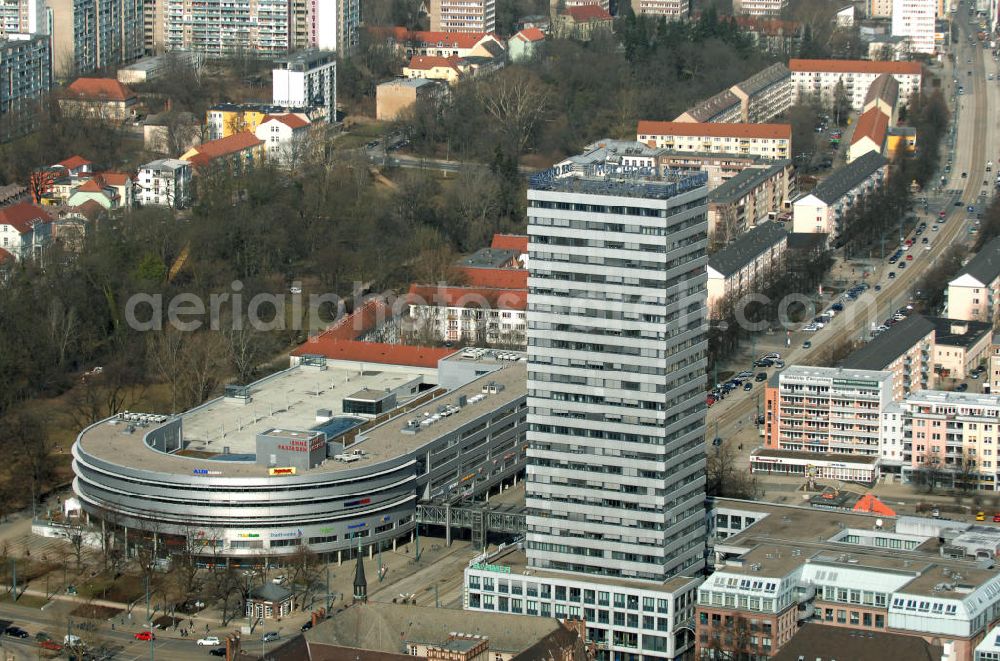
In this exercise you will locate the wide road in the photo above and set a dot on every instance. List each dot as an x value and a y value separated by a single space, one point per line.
973 137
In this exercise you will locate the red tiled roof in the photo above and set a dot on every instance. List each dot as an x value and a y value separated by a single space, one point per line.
373 352
23 216
463 40
869 503
290 120
5 256
428 62
232 144
530 34
496 278
775 131
102 89
873 124
95 185
855 66
588 13
517 242
359 322
469 297
116 178
73 162
91 209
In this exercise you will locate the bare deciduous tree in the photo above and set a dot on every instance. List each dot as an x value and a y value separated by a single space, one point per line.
517 101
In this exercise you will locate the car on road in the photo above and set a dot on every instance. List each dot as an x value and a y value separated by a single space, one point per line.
926 239
941 214
902 265
837 307
980 516
962 387
15 632
935 228
763 362
996 517
269 636
807 345
218 651
50 645
209 641
909 258
892 275
145 635
72 640
307 626
748 386
771 356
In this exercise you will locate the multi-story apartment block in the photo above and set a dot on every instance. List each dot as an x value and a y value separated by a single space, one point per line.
914 21
165 182
616 360
821 210
878 8
306 79
463 15
746 264
906 350
752 196
22 17
960 346
88 35
26 69
671 9
758 99
766 140
974 292
471 315
815 418
778 566
768 8
219 29
950 438
817 79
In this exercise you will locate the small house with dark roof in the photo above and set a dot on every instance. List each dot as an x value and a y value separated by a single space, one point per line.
973 292
269 602
821 210
906 350
743 265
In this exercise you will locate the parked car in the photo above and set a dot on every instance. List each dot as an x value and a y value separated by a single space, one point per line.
307 626
15 632
761 376
269 636
209 641
217 651
807 344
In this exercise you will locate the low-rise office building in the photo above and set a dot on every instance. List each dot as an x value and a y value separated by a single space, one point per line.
821 210
747 199
818 79
960 346
781 566
973 293
766 140
746 264
670 9
393 98
760 8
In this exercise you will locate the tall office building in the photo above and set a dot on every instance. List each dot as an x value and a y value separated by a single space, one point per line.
617 358
22 17
219 28
463 15
88 35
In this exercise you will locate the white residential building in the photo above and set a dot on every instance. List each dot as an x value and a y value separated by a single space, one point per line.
165 182
307 79
463 15
25 229
821 210
471 315
745 264
914 20
818 79
974 293
771 8
22 17
767 140
284 137
671 9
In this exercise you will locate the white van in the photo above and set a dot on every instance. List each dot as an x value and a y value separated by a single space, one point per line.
69 640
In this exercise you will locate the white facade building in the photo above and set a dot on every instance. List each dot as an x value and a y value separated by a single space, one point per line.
165 182
772 141
463 15
914 20
25 230
821 210
284 137
305 80
813 79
